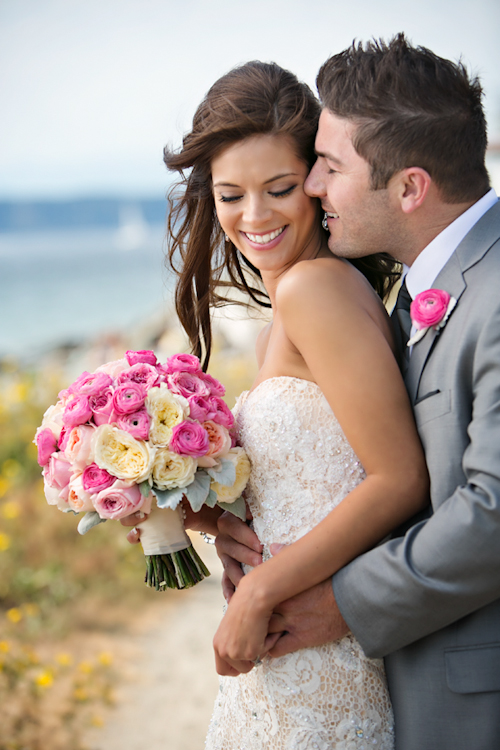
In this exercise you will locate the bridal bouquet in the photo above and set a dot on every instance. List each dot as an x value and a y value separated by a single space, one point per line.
137 435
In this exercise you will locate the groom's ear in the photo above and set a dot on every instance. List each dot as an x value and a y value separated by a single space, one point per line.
410 186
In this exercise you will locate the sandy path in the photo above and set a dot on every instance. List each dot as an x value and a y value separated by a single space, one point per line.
168 682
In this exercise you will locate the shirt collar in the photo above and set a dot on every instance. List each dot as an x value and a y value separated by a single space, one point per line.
434 257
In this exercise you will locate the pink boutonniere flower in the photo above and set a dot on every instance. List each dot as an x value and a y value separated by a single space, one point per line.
430 309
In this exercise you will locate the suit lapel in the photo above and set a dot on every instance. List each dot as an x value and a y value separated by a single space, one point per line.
470 251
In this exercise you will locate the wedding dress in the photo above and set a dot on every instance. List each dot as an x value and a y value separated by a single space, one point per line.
317 698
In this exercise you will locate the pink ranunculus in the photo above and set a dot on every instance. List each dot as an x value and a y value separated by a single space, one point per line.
187 384
181 363
63 438
143 356
94 479
216 388
77 411
121 500
223 414
189 439
102 406
140 374
78 499
129 398
114 368
429 308
220 443
91 383
200 408
78 450
136 424
58 472
46 443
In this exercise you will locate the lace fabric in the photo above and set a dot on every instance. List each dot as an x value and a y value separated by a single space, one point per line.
322 698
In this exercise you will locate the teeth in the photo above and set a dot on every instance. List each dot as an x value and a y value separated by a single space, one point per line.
263 239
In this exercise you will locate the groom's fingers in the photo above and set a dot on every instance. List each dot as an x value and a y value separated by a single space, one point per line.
286 644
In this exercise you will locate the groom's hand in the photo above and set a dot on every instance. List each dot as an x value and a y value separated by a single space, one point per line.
236 543
307 620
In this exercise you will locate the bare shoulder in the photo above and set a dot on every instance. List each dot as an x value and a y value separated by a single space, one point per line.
334 282
261 343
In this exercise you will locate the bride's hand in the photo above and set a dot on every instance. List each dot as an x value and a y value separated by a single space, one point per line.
236 544
205 520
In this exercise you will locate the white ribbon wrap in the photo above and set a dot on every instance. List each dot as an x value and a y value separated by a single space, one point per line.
163 532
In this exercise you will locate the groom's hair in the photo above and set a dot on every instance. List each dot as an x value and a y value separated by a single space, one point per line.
411 108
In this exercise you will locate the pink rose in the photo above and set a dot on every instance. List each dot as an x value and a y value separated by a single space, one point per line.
429 308
200 408
63 438
142 356
78 499
216 388
220 443
54 495
46 442
90 383
78 450
114 368
121 500
186 384
95 480
77 411
129 398
102 406
58 472
140 374
223 414
181 363
189 439
136 424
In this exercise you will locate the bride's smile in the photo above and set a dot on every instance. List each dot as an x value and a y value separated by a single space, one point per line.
261 205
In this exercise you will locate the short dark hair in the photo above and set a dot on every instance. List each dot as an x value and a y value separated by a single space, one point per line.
411 109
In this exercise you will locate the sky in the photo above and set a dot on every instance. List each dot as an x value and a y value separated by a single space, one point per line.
92 90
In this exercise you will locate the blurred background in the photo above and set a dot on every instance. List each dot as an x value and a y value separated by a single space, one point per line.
90 92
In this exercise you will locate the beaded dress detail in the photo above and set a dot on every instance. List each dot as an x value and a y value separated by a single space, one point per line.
328 697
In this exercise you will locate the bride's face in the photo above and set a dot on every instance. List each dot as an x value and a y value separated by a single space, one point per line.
258 186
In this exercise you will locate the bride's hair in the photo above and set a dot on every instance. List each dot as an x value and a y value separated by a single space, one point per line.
254 99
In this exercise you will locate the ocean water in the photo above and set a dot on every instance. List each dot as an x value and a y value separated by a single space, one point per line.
63 287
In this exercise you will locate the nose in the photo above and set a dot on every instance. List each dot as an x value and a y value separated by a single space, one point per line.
315 184
256 211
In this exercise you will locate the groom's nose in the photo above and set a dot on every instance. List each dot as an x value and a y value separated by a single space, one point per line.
315 184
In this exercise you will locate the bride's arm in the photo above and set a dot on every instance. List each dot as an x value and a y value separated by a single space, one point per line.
331 322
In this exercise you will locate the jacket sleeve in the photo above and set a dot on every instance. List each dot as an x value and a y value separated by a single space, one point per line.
448 566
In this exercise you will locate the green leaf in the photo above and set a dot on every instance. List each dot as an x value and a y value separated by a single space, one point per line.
211 500
226 474
90 519
197 491
238 508
168 498
145 488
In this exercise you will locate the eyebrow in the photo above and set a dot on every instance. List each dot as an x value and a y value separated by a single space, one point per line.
272 179
326 155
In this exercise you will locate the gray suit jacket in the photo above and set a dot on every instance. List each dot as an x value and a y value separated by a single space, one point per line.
430 601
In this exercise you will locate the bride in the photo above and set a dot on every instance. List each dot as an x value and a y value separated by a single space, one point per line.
327 419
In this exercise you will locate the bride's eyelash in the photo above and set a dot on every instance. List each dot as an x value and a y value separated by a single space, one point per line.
282 193
229 198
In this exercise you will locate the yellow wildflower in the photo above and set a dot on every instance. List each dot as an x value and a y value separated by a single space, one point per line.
31 610
64 659
4 486
97 721
4 542
44 679
105 658
11 468
4 647
14 615
86 667
80 694
11 509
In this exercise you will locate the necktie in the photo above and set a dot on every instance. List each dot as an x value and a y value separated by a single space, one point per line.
402 319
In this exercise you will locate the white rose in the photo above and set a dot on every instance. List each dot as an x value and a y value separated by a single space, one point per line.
122 455
166 410
243 468
172 470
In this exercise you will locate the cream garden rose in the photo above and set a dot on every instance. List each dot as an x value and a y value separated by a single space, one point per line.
166 410
242 466
172 470
121 455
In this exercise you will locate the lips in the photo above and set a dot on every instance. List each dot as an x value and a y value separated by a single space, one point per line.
263 239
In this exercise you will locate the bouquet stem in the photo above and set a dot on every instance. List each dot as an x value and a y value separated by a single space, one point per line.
171 560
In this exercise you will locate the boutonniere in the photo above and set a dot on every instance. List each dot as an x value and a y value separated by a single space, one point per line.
430 309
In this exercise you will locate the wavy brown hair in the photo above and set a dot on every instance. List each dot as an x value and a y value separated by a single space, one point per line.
254 99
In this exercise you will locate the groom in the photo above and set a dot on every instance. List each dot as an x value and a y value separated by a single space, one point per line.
400 169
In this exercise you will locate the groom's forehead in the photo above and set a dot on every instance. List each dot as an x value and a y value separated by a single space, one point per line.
334 137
